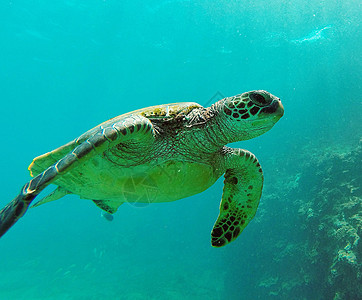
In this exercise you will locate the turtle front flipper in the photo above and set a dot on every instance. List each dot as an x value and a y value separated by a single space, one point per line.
242 191
12 212
129 128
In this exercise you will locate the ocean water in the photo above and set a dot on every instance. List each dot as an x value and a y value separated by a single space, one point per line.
66 66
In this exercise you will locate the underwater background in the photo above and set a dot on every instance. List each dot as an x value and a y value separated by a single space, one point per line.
66 66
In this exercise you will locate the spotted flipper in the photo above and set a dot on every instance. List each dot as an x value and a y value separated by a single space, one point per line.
242 191
105 137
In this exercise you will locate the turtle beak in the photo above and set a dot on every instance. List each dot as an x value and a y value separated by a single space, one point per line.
275 109
280 110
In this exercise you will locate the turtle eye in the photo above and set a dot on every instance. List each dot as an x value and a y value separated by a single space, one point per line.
259 99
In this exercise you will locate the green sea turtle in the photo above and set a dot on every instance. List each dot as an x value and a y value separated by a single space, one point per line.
158 154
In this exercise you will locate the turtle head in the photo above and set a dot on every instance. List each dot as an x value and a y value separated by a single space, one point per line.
250 114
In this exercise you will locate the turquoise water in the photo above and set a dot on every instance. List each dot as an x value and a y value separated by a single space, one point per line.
66 66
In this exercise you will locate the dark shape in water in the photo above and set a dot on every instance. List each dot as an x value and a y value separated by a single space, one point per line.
107 216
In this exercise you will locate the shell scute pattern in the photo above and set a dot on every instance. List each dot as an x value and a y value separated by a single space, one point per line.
157 112
169 111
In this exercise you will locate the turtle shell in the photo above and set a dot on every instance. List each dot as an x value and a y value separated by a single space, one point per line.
157 112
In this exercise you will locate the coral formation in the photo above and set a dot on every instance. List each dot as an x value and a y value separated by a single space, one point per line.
333 217
324 260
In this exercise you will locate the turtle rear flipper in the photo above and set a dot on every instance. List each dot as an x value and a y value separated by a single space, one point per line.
100 141
107 205
58 193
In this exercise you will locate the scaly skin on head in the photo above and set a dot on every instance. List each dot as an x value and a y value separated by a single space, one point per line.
245 116
229 120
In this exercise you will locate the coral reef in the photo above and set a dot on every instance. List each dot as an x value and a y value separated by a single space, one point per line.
333 219
322 257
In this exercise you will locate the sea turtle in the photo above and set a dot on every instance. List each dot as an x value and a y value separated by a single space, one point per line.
158 154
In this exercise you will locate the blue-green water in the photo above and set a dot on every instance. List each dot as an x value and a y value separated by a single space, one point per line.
66 66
